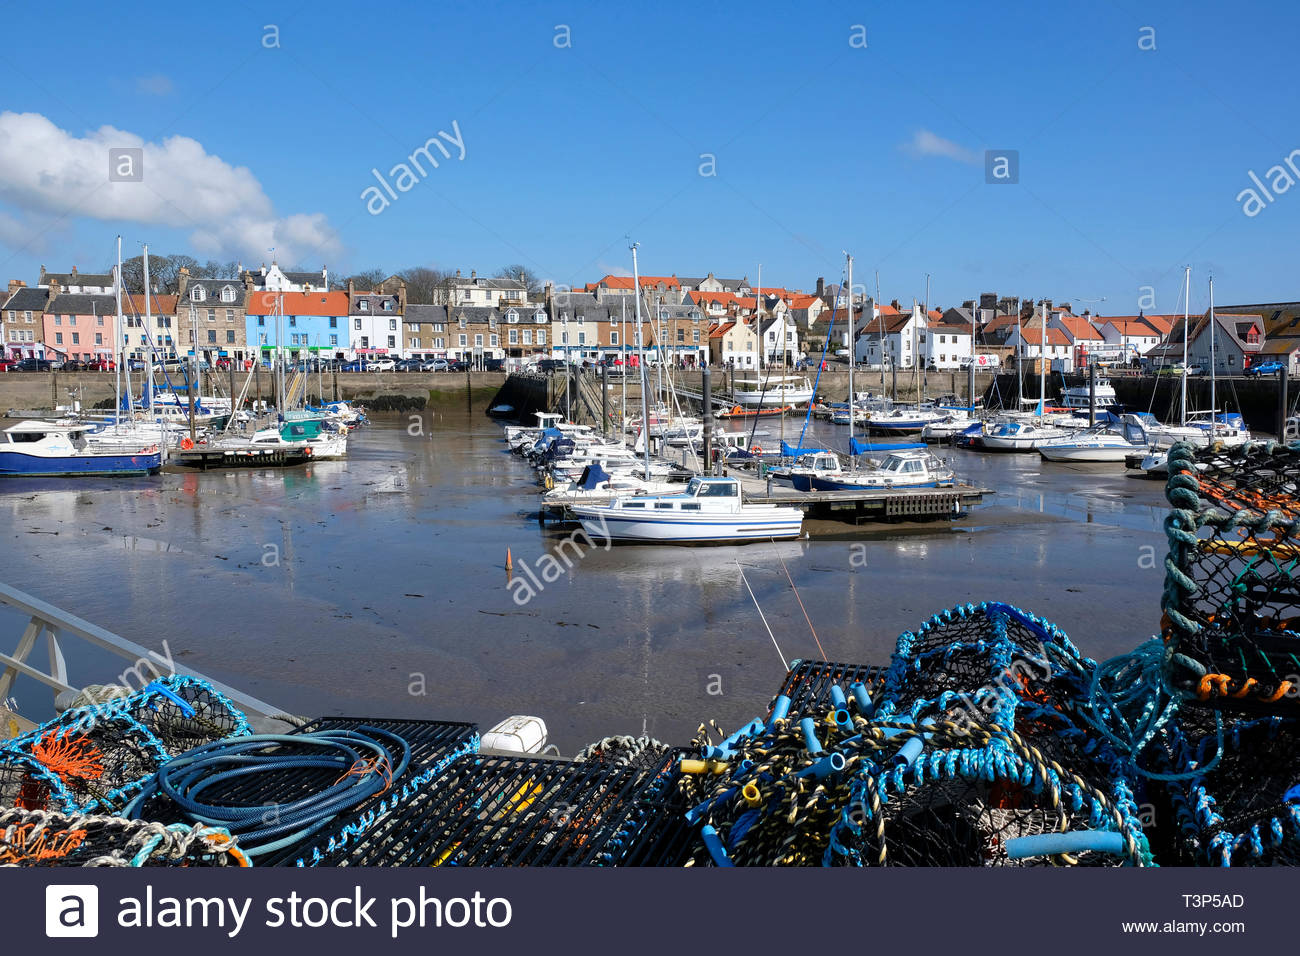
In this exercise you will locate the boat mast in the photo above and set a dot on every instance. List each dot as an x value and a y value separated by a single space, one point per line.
194 366
148 324
875 304
758 327
1213 405
852 358
622 348
645 414
1182 401
1042 362
117 338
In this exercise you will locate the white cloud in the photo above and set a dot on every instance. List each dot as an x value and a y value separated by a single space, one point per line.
46 170
925 143
158 84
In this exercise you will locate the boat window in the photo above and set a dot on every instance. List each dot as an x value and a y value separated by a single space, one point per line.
665 504
634 504
912 466
26 436
691 506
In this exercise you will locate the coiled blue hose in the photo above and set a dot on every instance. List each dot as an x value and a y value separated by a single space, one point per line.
364 763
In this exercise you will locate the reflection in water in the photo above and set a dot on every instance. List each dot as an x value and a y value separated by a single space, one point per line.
325 588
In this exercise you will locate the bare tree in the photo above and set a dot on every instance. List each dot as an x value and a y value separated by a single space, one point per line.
517 271
423 284
362 281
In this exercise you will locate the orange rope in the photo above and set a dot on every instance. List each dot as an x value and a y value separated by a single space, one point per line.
70 757
48 844
801 607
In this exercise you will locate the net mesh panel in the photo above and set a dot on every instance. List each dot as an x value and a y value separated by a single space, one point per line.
965 792
515 811
200 716
32 838
1232 601
1241 811
808 684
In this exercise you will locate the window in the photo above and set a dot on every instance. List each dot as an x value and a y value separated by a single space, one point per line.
365 341
261 321
438 327
58 338
392 341
334 340
27 316
541 336
478 341
99 320
438 344
212 336
695 336
582 318
492 321
463 339
388 305
58 320
356 325
261 338
613 338
334 322
564 337
293 320
363 306
230 336
392 325
528 336
512 316
197 294
681 335
494 340
212 315
76 338
230 315
460 323
582 338
539 316
227 293
99 338
513 337
415 343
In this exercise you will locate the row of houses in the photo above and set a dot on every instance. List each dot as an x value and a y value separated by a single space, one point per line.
686 320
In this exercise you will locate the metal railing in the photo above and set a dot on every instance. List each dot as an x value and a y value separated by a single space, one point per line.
58 626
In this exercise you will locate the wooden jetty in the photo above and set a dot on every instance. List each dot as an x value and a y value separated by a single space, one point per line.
204 457
854 507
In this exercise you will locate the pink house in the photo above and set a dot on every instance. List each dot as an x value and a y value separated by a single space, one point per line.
79 326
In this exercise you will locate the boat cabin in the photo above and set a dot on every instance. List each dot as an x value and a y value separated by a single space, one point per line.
707 494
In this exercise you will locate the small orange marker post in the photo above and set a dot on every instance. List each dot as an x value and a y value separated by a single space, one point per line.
509 563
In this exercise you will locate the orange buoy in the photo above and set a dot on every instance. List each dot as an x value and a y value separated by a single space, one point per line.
187 444
509 562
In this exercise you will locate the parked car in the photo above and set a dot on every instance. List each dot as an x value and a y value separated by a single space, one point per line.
408 365
460 365
381 365
73 365
353 367
1175 369
34 365
435 365
550 365
1195 370
1265 368
101 365
494 365
6 364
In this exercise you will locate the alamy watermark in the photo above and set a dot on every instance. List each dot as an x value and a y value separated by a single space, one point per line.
405 176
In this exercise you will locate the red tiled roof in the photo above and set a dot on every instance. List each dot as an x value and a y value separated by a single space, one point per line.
1035 337
718 331
298 303
133 303
1130 325
802 301
629 283
1080 328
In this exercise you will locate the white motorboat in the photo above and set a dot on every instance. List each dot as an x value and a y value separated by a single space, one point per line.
1018 435
596 486
44 449
1078 396
903 420
811 464
709 510
1106 442
772 391
901 469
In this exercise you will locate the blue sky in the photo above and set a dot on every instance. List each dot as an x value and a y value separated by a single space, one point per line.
1131 159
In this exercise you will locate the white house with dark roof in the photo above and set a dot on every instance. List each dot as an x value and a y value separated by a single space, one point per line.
486 291
78 283
276 279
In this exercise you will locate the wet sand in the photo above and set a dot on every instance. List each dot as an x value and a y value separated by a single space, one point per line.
376 586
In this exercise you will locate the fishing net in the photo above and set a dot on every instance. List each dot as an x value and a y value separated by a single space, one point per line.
45 838
1231 601
1236 792
185 712
641 753
874 792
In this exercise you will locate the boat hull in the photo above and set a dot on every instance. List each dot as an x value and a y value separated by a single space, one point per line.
18 464
859 484
610 524
1096 453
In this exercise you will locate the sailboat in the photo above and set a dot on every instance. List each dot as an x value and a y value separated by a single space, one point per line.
709 510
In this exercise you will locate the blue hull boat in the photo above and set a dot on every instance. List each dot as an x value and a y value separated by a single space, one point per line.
17 464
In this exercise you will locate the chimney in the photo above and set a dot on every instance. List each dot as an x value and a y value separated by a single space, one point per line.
15 285
54 287
894 304
74 270
352 287
821 286
473 273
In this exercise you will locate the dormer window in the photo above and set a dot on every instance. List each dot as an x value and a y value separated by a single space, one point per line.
198 294
539 316
227 294
512 316
663 315
363 306
388 305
